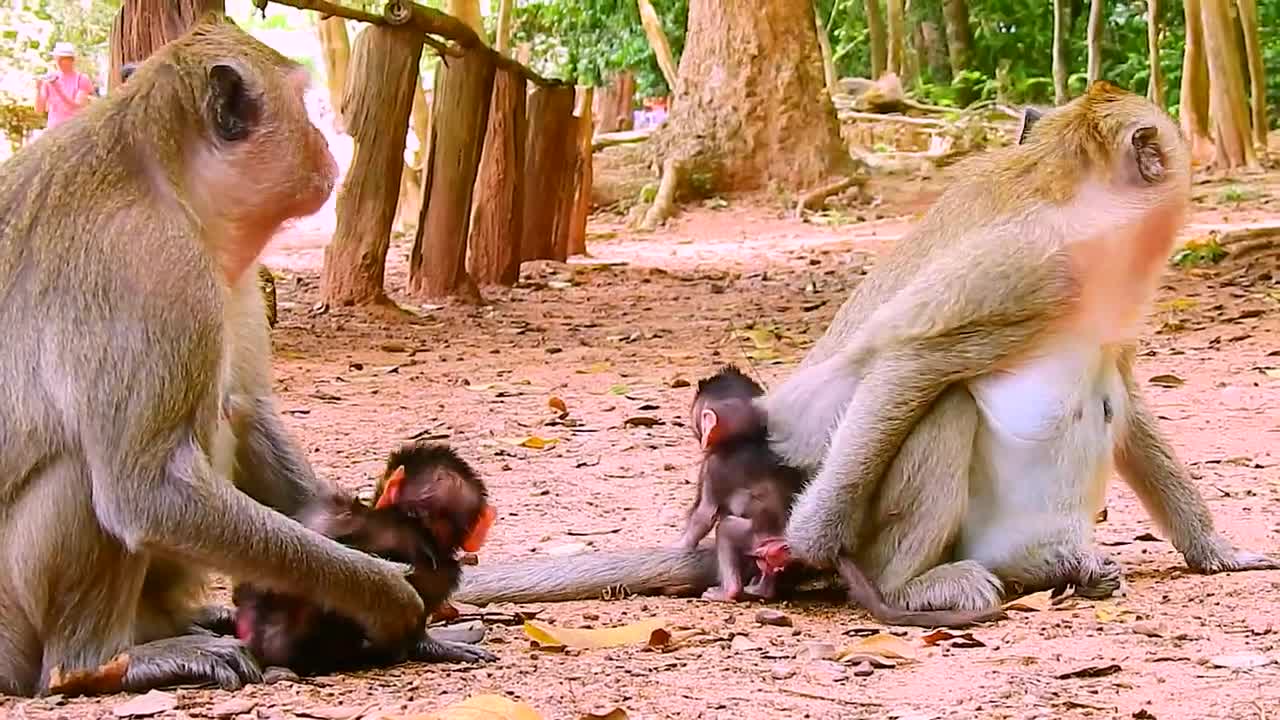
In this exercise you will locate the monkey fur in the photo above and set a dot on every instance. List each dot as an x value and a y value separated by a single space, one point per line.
996 336
437 504
746 492
128 240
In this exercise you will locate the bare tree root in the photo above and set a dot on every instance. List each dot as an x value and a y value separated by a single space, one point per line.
664 200
815 199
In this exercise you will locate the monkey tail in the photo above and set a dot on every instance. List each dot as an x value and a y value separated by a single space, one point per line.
645 571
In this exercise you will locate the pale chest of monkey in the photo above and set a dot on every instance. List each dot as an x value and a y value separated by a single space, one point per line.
1043 451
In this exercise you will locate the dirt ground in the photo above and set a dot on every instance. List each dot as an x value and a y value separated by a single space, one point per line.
613 336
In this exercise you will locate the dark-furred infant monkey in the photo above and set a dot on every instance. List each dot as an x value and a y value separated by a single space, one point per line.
745 491
429 506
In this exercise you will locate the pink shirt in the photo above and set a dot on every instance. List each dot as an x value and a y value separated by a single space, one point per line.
59 104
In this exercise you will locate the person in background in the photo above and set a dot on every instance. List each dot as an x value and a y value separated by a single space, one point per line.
64 91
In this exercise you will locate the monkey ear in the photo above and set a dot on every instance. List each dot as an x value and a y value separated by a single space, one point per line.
391 491
1147 154
233 112
1030 116
476 537
711 431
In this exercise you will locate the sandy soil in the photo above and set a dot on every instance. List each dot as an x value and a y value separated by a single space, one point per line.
613 340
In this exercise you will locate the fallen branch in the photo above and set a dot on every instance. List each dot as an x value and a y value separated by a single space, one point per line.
814 199
622 137
903 119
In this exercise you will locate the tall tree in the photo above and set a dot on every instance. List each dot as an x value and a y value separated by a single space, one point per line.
468 11
955 13
1094 40
658 41
1257 78
1060 51
749 103
1155 84
502 32
1232 139
824 45
877 41
1194 94
897 36
335 46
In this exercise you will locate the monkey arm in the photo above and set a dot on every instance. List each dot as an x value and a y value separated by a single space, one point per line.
1147 463
586 576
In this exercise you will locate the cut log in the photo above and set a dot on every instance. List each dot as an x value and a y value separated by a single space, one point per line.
549 150
375 111
496 221
437 263
622 137
612 106
577 240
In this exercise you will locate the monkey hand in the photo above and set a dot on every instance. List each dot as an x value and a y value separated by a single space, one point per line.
398 612
214 620
1217 554
431 650
188 659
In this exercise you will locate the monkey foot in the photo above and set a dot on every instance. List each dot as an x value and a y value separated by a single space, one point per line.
1217 555
191 659
439 651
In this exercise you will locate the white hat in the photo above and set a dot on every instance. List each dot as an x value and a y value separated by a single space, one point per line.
64 49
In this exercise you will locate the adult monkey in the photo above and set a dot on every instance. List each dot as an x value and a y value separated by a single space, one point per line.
135 377
963 412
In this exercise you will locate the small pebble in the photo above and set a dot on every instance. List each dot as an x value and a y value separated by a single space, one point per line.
777 618
862 669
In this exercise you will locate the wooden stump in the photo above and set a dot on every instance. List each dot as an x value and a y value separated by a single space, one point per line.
437 263
612 107
498 214
375 110
580 207
549 153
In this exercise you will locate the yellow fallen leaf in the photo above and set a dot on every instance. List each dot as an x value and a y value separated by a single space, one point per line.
595 368
533 441
479 707
483 387
614 714
638 633
881 645
1106 613
760 337
762 354
1035 602
1271 372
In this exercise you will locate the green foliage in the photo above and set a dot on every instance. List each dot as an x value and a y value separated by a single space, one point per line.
588 40
18 119
1200 252
29 28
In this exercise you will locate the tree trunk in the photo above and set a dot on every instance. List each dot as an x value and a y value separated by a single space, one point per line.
1094 40
438 261
582 178
828 59
375 108
1060 71
749 107
658 41
1228 105
549 147
410 206
336 48
502 39
497 220
1155 85
468 11
897 36
933 49
1194 100
1257 75
955 13
877 41
612 111
142 26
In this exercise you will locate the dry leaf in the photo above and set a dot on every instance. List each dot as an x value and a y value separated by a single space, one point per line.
614 714
1166 380
641 421
882 645
594 368
1093 671
1239 662
482 388
1035 602
1271 372
533 441
335 712
1111 613
962 640
153 703
638 633
479 707
762 354
557 404
760 337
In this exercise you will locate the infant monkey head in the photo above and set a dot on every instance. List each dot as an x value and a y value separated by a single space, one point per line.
433 485
724 409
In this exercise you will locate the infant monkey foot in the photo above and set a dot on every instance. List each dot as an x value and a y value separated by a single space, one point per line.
721 594
443 651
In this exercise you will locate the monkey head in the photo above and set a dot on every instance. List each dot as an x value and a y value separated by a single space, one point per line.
432 484
724 409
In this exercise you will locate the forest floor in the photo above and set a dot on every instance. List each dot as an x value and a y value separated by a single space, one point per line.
617 336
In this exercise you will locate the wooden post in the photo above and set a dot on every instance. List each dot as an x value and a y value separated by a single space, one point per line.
612 111
375 109
497 218
549 148
582 179
437 263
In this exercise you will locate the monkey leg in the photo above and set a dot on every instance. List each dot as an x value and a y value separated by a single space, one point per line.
919 510
431 650
733 542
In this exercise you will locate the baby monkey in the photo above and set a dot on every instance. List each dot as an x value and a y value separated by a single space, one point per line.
745 491
429 506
